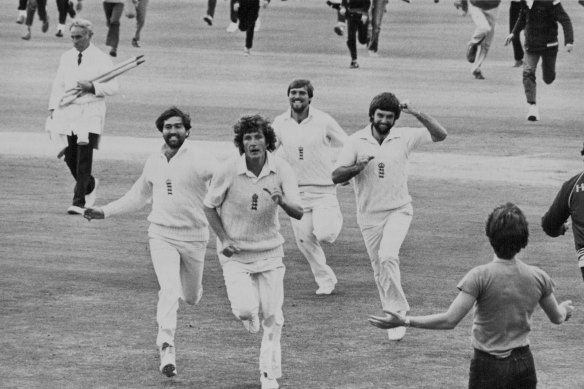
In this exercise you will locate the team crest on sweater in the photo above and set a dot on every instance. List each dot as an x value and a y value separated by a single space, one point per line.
381 170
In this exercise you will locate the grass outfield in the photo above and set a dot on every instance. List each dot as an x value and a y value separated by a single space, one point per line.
78 298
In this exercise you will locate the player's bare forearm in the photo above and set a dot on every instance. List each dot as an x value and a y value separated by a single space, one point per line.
344 173
292 209
436 130
215 223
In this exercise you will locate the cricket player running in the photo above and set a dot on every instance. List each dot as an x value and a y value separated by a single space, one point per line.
242 208
174 181
377 158
307 139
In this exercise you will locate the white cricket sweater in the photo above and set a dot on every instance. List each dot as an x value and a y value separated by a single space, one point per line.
175 189
248 213
383 185
310 148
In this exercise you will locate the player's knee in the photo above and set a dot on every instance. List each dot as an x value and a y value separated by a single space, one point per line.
326 236
549 78
193 298
388 259
244 313
529 73
274 320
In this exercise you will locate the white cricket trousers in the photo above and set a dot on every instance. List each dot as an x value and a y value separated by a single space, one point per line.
383 242
179 269
484 21
259 287
322 222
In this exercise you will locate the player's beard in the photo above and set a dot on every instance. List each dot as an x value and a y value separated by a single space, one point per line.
174 141
298 108
382 129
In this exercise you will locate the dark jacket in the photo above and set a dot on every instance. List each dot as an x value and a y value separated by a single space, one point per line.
357 6
541 25
486 4
569 202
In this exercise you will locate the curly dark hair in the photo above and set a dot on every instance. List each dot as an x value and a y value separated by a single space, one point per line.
171 112
507 230
386 102
254 123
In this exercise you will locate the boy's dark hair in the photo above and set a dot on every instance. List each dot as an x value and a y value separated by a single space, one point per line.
301 83
254 123
386 102
171 112
507 230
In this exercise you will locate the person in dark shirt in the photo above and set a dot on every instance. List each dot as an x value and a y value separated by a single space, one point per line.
569 202
247 13
539 19
356 13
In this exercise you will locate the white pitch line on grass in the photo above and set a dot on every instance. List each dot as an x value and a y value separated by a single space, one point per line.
534 169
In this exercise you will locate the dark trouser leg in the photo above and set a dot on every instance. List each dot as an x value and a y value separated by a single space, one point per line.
548 65
514 10
352 36
84 162
62 7
247 19
79 160
113 14
232 12
362 32
211 4
42 9
22 5
377 9
340 17
141 17
71 155
249 35
529 85
30 11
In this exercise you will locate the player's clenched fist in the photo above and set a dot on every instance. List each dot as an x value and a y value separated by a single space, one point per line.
276 194
362 161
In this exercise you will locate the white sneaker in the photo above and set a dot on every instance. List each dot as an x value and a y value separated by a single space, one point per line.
258 25
396 333
232 27
252 325
90 198
373 54
21 17
167 360
75 210
325 290
268 383
533 113
246 51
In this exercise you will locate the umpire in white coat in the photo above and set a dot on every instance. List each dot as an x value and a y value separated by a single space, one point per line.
82 121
